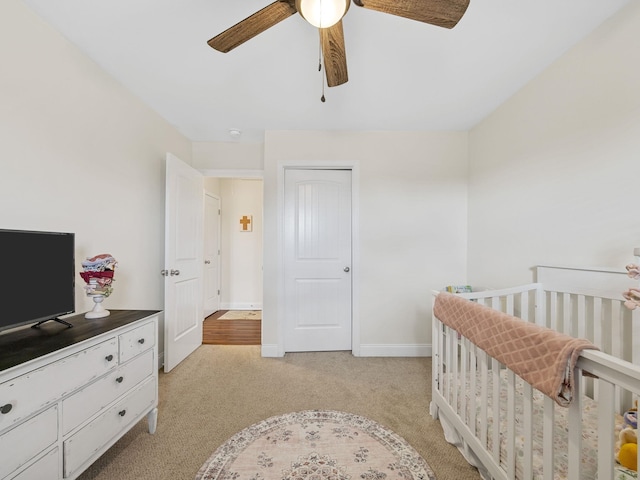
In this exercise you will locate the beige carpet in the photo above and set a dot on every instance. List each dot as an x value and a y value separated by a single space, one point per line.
242 315
220 390
315 445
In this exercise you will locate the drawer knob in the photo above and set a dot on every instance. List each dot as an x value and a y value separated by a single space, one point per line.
108 358
141 341
119 379
122 413
4 409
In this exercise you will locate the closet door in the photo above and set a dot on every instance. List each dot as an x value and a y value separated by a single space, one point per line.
317 234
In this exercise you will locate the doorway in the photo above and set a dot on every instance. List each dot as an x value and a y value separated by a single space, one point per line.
240 251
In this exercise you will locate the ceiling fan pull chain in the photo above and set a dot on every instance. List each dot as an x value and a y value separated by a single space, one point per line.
320 65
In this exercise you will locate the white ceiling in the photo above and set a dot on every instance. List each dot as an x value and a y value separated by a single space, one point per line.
403 75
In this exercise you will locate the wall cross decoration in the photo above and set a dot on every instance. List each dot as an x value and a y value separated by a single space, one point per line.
246 223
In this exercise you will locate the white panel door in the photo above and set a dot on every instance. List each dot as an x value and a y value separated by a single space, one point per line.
184 220
211 254
318 289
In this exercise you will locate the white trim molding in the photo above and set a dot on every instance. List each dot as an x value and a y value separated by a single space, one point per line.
272 351
233 173
354 166
398 350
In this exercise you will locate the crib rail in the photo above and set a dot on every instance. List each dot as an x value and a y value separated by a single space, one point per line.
497 416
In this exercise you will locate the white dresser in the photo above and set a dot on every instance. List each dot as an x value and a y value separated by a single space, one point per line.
68 394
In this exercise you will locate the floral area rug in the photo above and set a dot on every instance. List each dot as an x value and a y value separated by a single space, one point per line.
316 445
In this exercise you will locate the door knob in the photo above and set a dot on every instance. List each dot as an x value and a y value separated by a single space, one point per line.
346 269
164 273
174 272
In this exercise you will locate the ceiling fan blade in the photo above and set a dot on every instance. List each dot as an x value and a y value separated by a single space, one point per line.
253 25
443 13
334 54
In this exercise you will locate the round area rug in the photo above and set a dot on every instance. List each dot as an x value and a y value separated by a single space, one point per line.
316 445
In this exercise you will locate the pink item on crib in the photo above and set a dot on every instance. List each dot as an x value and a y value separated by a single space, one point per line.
632 297
543 357
633 271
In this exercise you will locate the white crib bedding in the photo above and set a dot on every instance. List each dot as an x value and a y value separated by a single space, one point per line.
589 431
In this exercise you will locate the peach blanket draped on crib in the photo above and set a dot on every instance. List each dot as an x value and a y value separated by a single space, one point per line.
542 357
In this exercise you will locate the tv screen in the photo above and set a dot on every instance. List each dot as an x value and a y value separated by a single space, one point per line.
37 276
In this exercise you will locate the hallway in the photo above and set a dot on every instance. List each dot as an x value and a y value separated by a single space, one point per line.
217 331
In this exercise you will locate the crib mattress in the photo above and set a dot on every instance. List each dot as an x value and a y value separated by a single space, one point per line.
589 431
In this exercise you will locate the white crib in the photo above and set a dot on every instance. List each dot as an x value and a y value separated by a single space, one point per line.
506 428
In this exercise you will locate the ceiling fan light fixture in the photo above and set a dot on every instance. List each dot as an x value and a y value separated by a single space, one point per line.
322 13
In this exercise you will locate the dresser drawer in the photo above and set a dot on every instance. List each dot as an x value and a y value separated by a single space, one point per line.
45 468
30 392
81 446
22 443
85 403
136 341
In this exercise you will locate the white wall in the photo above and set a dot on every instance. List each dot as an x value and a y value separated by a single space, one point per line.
228 156
81 154
554 171
241 251
412 227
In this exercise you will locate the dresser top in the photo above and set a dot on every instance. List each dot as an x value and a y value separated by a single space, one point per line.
25 344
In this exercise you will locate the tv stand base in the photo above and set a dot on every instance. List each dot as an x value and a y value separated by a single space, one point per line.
37 325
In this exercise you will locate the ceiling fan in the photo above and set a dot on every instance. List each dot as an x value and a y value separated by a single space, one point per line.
327 15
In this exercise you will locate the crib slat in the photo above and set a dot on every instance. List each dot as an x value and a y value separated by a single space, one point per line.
606 397
454 370
597 323
484 396
447 363
495 403
566 313
527 431
617 340
464 375
607 331
524 307
635 343
574 450
440 358
553 311
547 438
509 305
575 429
581 325
473 388
540 303
495 303
511 425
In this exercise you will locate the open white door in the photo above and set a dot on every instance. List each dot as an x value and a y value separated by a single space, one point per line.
211 254
184 212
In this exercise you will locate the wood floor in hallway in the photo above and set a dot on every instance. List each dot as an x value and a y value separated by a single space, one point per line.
230 332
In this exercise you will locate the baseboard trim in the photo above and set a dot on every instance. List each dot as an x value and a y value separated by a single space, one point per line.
407 350
271 351
241 306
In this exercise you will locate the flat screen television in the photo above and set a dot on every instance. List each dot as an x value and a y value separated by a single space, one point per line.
37 276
